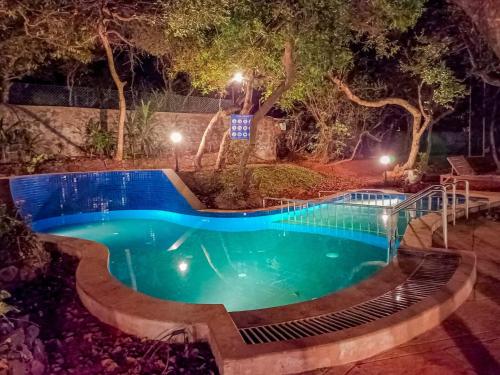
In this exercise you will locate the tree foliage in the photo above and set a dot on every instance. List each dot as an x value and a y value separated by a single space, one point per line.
427 64
422 83
484 14
34 33
249 36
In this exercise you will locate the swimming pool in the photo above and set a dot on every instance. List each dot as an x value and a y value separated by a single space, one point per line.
244 261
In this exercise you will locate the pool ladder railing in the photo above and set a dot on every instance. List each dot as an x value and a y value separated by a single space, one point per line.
326 213
411 203
414 203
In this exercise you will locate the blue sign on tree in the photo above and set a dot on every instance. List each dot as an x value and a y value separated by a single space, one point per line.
240 126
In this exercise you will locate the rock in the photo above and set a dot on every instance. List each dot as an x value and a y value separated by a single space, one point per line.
18 368
37 368
8 274
32 333
39 351
27 273
109 365
16 338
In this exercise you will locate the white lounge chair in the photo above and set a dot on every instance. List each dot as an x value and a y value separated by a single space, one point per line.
462 170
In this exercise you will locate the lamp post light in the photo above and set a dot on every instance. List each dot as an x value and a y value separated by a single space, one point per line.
176 138
385 160
238 78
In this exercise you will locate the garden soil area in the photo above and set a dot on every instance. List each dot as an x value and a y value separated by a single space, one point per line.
77 343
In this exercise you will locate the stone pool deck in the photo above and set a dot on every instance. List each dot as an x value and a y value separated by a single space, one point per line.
468 342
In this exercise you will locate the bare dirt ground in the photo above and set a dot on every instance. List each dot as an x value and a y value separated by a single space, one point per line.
76 342
365 172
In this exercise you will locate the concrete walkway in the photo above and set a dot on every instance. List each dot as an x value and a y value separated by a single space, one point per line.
468 342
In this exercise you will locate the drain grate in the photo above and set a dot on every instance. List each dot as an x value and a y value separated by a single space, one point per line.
434 271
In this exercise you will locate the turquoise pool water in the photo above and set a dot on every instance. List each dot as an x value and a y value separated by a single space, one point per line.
244 263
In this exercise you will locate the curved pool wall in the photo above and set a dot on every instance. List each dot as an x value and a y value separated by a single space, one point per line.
66 204
46 196
57 199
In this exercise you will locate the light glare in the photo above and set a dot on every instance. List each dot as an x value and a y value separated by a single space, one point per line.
183 266
176 137
385 218
238 77
385 159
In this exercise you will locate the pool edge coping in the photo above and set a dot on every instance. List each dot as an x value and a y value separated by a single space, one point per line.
135 313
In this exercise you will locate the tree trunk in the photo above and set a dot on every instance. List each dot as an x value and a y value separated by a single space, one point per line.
493 145
418 126
485 15
247 107
221 156
121 93
412 157
248 104
216 119
364 134
428 148
289 67
6 85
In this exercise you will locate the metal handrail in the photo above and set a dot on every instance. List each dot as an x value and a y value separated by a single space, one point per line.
416 197
407 204
326 191
281 200
427 192
467 194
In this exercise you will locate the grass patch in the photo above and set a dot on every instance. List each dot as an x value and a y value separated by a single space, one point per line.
220 189
278 180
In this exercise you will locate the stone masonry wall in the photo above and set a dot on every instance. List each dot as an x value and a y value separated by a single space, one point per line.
62 129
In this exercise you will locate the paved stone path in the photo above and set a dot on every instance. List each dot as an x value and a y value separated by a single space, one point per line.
468 342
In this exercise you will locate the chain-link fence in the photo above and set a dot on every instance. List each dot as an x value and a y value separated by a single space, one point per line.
51 95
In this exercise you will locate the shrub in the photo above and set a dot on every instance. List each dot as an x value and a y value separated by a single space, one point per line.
4 307
19 246
17 141
33 164
98 140
141 136
219 189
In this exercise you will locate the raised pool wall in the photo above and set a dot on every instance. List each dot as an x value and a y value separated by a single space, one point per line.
50 195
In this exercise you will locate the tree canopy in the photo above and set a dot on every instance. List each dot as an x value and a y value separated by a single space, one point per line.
285 49
249 36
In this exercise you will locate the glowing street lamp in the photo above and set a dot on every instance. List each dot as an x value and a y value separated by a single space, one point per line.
176 138
238 77
385 160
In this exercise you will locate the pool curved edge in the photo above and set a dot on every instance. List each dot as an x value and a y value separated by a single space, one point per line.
119 305
135 313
